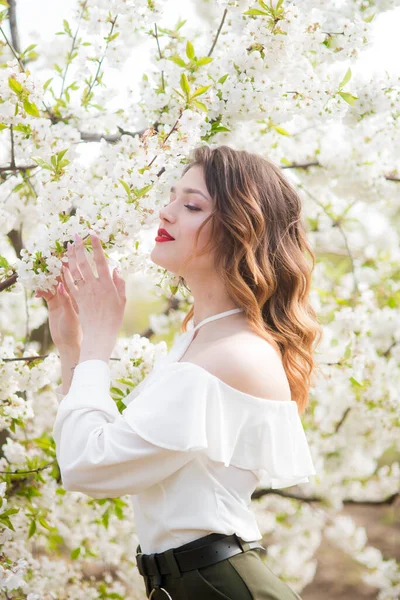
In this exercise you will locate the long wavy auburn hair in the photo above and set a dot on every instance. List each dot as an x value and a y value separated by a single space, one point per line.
259 245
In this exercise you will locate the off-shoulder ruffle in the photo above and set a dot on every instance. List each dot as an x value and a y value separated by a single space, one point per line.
186 408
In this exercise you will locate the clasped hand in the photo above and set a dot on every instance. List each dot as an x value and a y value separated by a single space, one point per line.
101 300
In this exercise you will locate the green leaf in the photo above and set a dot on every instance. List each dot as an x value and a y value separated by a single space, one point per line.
200 91
26 129
356 383
178 92
204 61
47 83
2 126
4 262
125 186
190 50
61 153
346 78
42 163
185 85
200 105
177 60
223 78
31 108
370 18
281 130
255 11
112 37
349 98
75 553
29 48
126 381
67 28
32 529
15 85
117 391
45 524
105 518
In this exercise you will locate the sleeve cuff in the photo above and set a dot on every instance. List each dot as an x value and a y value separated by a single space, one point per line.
93 372
90 388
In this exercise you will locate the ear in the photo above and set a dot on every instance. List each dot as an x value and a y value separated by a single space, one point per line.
119 284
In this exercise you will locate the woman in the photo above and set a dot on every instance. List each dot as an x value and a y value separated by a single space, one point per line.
219 414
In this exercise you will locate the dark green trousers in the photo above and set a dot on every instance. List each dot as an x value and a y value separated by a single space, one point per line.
244 576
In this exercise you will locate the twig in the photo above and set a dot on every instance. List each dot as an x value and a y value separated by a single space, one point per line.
30 471
311 499
218 32
159 51
12 15
100 62
337 223
70 53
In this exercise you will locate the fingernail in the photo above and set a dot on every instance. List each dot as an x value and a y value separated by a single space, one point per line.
61 288
77 238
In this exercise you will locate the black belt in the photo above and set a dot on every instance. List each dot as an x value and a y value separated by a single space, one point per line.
156 564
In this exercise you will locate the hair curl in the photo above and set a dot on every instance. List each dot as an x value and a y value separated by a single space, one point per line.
259 243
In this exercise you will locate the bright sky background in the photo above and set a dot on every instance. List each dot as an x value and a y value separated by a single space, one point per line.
39 20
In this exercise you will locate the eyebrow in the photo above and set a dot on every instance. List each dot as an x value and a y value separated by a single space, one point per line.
190 191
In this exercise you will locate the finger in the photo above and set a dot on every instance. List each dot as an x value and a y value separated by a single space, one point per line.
119 284
100 258
68 301
82 260
73 271
74 304
73 290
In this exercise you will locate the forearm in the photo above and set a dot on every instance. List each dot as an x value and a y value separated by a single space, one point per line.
96 348
69 360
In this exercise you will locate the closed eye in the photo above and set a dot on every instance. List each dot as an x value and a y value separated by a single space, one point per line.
191 207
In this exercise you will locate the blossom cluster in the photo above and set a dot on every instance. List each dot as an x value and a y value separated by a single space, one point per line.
281 79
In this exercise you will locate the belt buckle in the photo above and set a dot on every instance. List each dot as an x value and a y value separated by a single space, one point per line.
157 577
162 589
139 563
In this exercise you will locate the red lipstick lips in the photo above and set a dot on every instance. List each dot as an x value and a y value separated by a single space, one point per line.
164 236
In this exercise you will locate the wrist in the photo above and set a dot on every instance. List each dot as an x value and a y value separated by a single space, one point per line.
97 350
69 351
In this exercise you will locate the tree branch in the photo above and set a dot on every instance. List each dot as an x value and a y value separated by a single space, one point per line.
312 499
218 32
12 15
70 53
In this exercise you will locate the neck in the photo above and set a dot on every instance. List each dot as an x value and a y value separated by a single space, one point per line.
209 296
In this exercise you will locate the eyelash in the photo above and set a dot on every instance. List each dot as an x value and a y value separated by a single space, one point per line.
192 208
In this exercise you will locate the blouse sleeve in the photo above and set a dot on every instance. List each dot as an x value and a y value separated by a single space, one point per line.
179 414
98 451
188 410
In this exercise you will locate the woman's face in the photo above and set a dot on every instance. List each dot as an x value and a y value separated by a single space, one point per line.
189 205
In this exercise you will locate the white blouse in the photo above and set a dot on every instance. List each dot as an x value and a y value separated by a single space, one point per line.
188 448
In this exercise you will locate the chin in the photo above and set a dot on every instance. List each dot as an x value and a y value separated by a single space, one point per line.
158 259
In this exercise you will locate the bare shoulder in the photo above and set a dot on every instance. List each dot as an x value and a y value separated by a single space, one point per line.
248 363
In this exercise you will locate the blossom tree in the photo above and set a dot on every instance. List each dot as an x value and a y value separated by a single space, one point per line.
277 77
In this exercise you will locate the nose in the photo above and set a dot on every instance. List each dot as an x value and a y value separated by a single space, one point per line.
164 215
